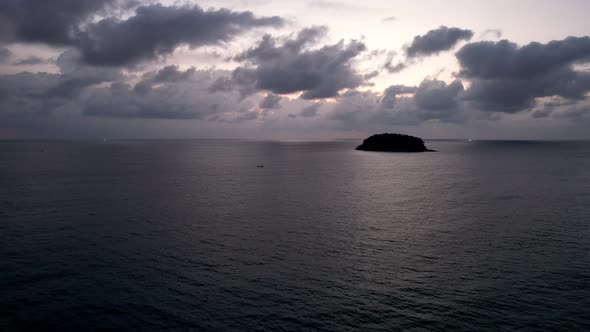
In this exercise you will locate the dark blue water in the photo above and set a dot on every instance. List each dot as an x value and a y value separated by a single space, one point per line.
153 235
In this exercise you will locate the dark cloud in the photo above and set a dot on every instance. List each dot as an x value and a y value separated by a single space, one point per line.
389 62
366 109
432 100
54 22
150 32
515 96
28 93
76 76
291 67
390 67
177 95
311 111
171 73
268 50
507 78
504 59
103 92
432 43
242 79
400 90
31 61
157 30
43 93
438 95
541 113
119 101
5 54
390 94
271 101
436 41
438 100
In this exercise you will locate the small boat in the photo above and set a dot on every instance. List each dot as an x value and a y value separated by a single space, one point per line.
259 166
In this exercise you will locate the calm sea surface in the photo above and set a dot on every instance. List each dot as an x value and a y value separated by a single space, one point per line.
154 235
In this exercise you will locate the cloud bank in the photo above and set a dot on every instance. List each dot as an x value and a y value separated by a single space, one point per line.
114 62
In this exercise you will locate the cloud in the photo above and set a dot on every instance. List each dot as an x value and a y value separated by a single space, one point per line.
432 100
365 110
557 102
431 43
5 54
104 74
541 113
177 95
505 77
31 61
43 93
152 31
271 101
494 33
395 68
436 41
104 93
267 49
171 73
245 116
504 59
76 76
119 101
391 93
573 113
436 99
291 67
554 106
28 93
53 22
311 110
157 30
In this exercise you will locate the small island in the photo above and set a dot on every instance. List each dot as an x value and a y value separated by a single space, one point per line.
393 143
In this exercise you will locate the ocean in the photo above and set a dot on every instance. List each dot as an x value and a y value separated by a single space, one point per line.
194 235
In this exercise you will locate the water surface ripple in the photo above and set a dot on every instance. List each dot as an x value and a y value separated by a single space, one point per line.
164 235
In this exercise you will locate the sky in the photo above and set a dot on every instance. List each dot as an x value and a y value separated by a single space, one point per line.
308 70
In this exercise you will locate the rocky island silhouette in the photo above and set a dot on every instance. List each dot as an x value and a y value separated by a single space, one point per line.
393 143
